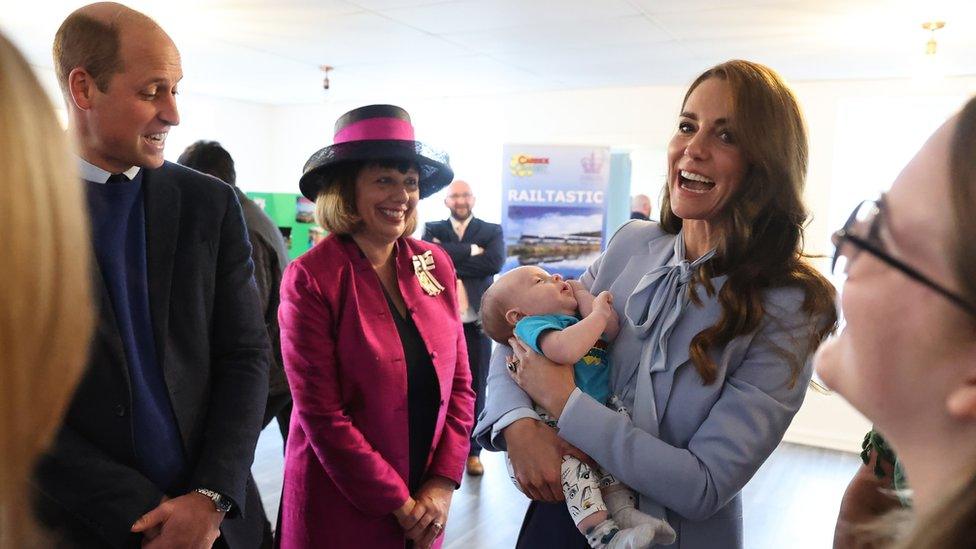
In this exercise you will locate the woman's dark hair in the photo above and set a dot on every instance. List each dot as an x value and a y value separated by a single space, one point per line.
335 205
210 158
763 224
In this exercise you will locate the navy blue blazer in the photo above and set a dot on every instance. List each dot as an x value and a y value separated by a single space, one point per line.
476 272
213 348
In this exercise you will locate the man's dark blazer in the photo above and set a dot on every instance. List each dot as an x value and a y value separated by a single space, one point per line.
475 272
213 348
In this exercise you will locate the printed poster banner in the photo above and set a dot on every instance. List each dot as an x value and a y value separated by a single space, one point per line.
554 206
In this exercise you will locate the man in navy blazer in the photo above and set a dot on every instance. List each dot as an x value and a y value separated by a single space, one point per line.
477 249
157 443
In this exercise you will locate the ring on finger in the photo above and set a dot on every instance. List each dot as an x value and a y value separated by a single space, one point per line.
438 526
513 366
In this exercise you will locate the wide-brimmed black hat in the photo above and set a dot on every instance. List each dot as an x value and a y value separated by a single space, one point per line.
376 132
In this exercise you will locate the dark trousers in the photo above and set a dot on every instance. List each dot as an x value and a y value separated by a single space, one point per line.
549 525
479 356
279 408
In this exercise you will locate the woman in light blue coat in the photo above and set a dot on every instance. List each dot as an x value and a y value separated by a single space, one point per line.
719 314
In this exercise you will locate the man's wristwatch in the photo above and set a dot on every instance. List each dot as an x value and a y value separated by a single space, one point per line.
222 503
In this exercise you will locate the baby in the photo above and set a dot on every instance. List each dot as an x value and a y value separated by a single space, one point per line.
568 325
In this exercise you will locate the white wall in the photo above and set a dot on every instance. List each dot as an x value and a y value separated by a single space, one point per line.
244 129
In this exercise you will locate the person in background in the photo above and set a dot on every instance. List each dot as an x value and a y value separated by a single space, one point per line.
46 312
286 236
878 488
640 207
719 311
156 447
373 349
316 234
477 249
270 258
906 358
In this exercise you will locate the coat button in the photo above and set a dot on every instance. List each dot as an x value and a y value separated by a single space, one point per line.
433 354
120 410
442 403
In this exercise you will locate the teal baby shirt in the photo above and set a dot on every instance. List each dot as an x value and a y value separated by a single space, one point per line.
592 371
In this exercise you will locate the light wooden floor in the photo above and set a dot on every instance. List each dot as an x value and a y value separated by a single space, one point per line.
791 502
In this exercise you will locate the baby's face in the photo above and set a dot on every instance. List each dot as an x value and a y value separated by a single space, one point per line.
533 291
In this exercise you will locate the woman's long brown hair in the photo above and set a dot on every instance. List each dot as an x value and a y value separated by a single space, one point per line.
762 227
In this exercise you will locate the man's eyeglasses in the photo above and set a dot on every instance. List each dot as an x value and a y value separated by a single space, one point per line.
861 232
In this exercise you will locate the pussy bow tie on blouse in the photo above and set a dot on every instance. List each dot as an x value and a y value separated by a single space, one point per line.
657 302
653 309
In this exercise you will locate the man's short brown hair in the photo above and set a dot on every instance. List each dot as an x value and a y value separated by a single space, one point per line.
83 41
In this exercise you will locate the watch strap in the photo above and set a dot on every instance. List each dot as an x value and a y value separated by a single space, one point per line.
221 503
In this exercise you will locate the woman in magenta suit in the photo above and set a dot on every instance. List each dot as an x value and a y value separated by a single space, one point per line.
373 349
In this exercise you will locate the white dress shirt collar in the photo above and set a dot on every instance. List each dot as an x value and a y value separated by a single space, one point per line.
460 226
93 173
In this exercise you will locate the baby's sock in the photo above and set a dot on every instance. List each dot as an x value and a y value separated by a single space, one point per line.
608 535
602 534
621 504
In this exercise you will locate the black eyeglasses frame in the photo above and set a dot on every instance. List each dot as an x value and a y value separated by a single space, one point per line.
844 235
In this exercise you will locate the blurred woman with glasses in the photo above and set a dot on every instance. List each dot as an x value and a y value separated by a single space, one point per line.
907 355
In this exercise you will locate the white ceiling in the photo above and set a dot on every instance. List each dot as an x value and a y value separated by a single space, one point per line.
269 51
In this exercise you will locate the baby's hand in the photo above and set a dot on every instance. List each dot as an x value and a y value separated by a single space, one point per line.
603 304
577 286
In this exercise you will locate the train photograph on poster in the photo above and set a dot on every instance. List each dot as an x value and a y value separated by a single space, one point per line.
554 206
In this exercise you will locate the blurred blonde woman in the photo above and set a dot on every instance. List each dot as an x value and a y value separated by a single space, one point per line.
45 309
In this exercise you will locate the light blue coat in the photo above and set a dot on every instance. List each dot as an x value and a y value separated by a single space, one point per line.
693 447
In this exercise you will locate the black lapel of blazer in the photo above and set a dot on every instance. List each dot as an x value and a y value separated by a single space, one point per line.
472 230
162 229
449 234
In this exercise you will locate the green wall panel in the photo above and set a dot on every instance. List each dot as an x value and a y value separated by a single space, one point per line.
283 210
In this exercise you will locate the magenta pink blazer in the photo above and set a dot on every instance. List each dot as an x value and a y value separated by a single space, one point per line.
346 461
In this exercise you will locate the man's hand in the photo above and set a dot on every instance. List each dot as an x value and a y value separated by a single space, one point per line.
189 521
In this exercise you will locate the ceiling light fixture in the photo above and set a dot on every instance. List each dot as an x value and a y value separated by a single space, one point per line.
326 69
932 26
929 69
